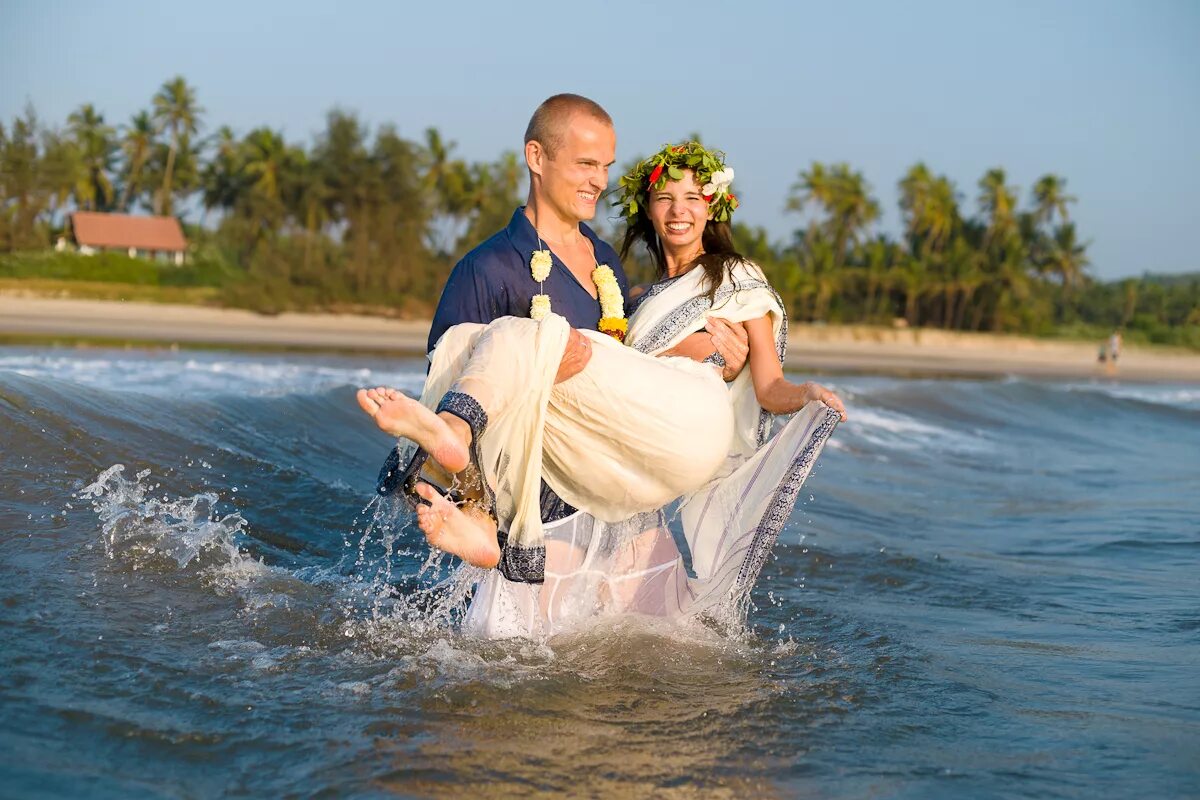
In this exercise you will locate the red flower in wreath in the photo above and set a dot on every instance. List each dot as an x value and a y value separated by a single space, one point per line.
655 175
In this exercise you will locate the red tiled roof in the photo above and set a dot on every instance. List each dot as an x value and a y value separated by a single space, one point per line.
96 229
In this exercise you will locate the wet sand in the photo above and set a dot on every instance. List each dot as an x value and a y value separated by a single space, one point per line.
827 349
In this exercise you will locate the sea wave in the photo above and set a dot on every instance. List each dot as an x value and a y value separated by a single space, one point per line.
165 373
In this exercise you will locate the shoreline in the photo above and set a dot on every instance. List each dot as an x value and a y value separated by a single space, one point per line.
823 349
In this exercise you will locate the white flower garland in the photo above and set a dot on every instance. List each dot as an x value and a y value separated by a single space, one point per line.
612 302
539 265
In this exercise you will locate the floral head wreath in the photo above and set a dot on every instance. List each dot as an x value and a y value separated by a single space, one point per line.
669 164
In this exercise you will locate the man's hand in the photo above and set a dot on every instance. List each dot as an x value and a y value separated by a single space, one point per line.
575 357
731 342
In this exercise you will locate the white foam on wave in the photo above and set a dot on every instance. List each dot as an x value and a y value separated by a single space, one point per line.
895 431
1165 395
165 373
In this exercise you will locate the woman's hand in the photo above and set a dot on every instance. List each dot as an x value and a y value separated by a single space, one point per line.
815 391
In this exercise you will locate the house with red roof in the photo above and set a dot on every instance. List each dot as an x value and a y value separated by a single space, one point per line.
94 231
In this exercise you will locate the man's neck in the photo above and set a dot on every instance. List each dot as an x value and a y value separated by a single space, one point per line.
549 223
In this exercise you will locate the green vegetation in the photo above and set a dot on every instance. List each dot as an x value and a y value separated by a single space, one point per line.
114 268
362 220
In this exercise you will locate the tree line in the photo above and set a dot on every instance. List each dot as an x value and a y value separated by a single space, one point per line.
373 220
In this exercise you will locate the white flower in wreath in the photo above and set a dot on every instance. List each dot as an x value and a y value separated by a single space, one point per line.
718 182
540 264
539 309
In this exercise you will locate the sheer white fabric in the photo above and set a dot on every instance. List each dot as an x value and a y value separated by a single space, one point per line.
596 569
727 526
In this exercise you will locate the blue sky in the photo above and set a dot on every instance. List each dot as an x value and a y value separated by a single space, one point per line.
1105 94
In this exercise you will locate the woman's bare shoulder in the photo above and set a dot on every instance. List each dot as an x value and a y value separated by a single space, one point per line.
638 291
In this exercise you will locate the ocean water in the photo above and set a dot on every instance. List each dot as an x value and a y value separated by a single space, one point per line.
989 589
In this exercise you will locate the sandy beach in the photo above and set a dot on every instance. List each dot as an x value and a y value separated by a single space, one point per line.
828 349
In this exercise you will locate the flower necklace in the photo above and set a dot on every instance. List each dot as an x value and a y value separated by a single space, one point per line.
612 302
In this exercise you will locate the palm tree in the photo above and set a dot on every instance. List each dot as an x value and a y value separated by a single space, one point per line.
175 110
998 202
929 208
26 185
222 180
1049 196
445 178
844 196
137 144
344 162
264 161
96 151
307 198
1067 257
878 257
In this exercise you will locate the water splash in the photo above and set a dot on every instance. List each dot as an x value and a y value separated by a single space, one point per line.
142 529
384 597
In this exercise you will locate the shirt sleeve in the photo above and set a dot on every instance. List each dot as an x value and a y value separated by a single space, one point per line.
468 297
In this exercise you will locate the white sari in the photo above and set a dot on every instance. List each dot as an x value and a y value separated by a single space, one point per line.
596 563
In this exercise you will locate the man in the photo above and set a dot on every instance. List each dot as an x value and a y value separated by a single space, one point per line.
570 145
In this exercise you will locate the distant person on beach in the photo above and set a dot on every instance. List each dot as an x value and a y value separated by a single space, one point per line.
1109 358
623 432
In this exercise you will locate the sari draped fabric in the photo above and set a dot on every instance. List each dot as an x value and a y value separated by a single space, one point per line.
726 524
618 439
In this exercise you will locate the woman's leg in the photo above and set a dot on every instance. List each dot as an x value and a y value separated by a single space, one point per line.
466 532
487 368
627 434
445 437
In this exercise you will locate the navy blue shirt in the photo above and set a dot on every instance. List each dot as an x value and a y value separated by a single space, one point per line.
494 281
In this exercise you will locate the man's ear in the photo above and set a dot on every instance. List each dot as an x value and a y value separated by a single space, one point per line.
535 154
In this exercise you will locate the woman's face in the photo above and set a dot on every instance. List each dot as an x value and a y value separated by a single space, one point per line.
679 213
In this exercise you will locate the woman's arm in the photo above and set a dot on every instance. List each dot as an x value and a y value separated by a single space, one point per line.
775 393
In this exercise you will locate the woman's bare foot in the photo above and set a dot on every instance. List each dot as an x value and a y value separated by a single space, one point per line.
398 414
470 536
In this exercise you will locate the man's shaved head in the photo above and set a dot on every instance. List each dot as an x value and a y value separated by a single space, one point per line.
548 124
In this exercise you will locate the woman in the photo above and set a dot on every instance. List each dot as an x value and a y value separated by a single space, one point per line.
641 425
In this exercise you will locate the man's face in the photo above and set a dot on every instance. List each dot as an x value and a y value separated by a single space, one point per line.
574 178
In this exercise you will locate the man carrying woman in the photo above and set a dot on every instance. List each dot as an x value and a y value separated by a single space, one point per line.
641 423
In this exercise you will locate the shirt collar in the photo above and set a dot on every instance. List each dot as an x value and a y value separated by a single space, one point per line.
525 239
